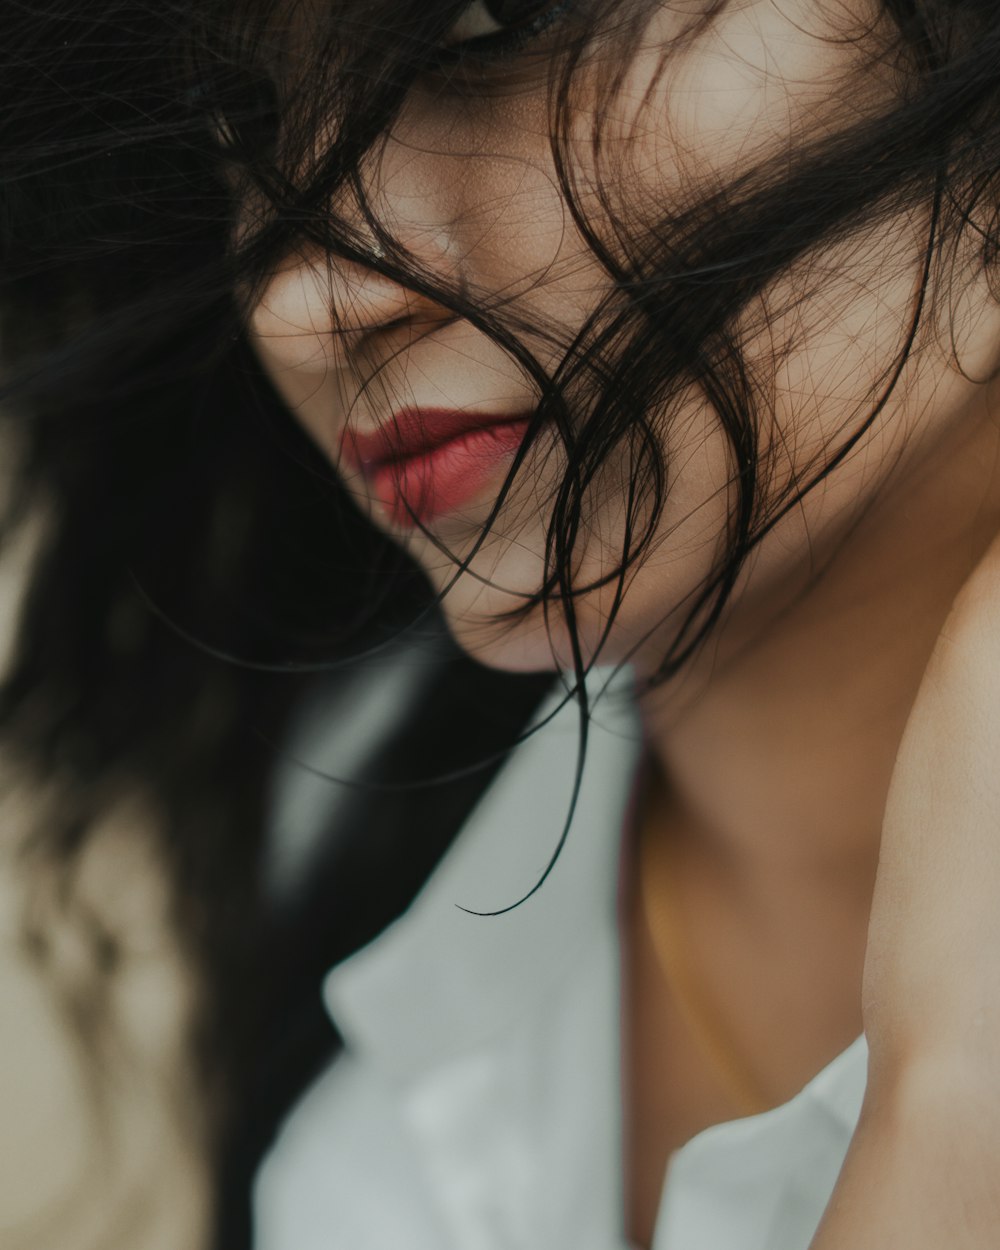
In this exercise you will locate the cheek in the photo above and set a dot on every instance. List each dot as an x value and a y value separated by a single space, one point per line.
836 329
484 605
703 105
479 175
763 77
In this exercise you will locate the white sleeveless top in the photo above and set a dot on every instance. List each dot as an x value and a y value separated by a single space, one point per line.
476 1105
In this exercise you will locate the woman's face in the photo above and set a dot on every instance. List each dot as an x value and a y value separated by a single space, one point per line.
421 413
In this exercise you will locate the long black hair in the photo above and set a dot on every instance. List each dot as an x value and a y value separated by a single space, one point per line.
195 562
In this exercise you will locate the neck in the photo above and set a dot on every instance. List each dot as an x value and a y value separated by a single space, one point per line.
778 744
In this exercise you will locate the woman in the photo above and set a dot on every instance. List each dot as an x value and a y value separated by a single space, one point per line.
662 338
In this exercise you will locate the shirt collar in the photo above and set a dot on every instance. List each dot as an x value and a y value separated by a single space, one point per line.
440 981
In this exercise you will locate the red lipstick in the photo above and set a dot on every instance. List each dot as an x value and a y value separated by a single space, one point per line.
425 462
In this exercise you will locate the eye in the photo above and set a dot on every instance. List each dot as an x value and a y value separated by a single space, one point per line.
485 18
491 29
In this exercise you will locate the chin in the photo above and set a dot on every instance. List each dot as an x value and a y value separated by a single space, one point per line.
519 645
478 620
483 607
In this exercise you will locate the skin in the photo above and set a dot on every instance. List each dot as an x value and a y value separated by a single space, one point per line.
784 748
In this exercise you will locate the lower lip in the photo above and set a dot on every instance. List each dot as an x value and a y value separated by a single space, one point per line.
418 489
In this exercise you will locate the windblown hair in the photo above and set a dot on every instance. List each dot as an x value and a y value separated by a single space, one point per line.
196 560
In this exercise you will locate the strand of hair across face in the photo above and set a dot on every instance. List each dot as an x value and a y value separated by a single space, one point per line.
660 913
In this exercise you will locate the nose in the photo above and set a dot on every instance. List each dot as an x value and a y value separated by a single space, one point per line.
316 310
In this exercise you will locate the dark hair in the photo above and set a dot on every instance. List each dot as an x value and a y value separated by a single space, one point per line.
196 561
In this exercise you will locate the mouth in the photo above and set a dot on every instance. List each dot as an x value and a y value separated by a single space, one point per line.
424 463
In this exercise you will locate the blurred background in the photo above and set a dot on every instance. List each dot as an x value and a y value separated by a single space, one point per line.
141 1083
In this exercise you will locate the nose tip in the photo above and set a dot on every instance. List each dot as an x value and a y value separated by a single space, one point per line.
315 306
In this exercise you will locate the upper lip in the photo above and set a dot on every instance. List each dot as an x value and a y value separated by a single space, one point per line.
417 431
